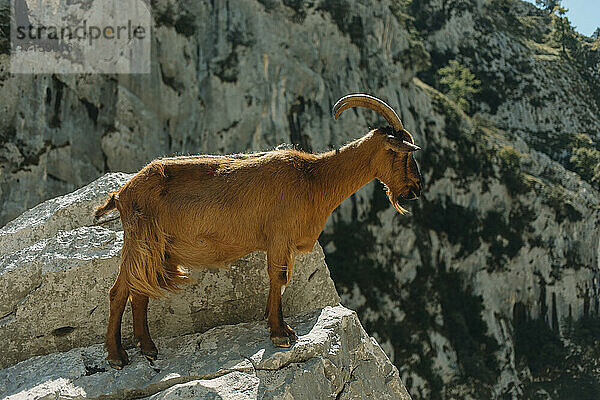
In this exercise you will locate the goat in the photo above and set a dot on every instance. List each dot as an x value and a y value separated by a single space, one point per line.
211 210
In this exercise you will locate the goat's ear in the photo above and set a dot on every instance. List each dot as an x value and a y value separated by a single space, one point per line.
396 144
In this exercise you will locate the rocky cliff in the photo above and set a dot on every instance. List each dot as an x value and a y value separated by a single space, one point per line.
333 358
57 265
489 289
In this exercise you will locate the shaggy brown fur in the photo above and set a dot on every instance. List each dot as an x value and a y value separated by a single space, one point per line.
211 210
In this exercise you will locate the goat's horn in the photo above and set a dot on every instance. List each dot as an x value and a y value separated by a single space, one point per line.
375 104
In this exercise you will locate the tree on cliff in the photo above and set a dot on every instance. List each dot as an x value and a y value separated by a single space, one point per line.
459 83
548 4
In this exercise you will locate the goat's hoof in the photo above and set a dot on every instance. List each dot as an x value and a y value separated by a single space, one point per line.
116 364
119 361
286 338
151 355
148 349
291 333
281 341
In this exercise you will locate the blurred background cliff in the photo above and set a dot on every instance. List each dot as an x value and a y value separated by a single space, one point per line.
489 288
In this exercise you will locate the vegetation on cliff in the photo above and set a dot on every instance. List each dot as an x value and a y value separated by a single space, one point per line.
469 91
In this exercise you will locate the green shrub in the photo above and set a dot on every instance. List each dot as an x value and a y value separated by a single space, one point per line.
510 167
585 162
548 4
585 158
400 10
557 199
459 84
581 140
564 33
510 158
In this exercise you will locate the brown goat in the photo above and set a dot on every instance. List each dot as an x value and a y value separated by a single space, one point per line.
211 210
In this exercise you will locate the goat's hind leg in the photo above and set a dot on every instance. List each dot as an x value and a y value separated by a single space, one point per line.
118 294
141 334
279 267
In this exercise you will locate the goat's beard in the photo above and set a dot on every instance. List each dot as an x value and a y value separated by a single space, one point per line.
393 197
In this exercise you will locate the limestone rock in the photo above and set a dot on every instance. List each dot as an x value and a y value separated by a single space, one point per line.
58 268
333 358
59 214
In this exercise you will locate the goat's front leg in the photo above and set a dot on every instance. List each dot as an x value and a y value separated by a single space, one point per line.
279 269
141 333
118 294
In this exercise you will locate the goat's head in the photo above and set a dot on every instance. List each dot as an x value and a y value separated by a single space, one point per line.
394 163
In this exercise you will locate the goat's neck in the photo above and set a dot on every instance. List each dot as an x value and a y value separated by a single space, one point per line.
346 170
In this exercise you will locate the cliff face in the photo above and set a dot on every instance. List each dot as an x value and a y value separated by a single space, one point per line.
498 258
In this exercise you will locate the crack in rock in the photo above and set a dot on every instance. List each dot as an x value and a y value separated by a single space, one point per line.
8 318
349 380
154 388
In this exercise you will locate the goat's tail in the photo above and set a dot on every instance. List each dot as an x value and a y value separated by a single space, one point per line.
147 268
108 206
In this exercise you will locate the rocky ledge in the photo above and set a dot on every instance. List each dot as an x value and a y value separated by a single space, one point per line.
56 266
334 358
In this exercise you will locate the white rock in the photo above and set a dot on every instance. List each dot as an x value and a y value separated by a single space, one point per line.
333 358
55 277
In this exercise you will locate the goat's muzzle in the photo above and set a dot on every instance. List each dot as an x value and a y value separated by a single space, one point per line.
413 194
415 191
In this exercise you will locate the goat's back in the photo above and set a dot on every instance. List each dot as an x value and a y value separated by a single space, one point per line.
224 196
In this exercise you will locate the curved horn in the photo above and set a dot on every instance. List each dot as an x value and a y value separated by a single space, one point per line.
375 104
